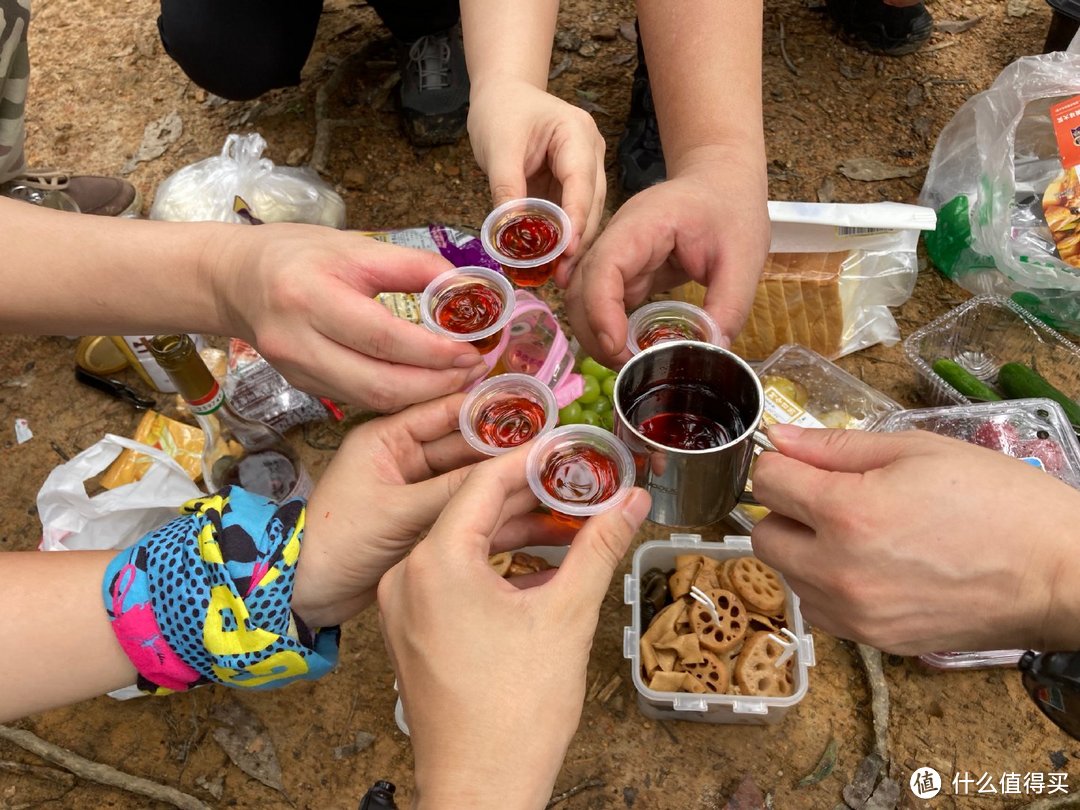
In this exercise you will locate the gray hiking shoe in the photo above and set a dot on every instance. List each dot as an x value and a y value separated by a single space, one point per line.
85 193
435 89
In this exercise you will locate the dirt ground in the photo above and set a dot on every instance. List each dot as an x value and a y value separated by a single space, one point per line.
100 76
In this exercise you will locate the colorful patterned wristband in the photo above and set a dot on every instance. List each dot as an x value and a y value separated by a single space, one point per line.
205 598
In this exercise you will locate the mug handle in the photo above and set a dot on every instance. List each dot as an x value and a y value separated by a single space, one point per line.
746 497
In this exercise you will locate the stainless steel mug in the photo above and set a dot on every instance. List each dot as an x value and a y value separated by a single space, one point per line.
690 487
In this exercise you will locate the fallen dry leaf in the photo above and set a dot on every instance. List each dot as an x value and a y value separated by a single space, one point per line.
870 169
957 26
244 738
158 136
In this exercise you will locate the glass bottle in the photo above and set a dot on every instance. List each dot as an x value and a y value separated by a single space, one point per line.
237 450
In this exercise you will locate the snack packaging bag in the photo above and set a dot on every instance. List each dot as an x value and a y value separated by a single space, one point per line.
206 190
1002 179
832 273
259 392
182 443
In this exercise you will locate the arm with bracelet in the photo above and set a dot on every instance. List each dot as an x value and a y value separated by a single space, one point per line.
236 590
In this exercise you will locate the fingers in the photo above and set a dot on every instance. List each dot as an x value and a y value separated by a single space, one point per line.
790 487
852 451
384 387
367 327
533 529
573 163
598 549
729 295
623 256
784 544
506 176
493 492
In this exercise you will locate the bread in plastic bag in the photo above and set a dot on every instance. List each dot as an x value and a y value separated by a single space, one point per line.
205 191
989 171
832 273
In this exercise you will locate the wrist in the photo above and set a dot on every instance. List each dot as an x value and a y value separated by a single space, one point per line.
227 250
1060 625
718 160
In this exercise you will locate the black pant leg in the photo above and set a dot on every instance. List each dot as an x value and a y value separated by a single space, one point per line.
239 49
411 19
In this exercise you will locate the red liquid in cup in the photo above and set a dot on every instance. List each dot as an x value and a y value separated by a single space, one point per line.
661 331
525 237
684 431
579 475
509 422
469 308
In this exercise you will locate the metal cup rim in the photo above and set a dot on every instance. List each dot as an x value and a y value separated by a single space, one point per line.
751 427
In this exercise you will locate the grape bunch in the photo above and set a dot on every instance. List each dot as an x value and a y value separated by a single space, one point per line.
593 407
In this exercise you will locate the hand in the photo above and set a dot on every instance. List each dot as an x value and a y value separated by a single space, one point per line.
386 484
303 296
708 223
916 543
492 672
531 143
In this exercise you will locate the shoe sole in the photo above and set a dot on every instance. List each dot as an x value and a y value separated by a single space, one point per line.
435 130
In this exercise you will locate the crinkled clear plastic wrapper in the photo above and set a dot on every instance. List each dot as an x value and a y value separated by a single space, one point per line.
206 190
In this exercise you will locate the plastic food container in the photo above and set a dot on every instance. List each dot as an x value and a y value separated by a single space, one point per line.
982 335
1034 430
707 708
803 388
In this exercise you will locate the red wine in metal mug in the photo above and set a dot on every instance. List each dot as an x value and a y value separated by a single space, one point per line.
689 413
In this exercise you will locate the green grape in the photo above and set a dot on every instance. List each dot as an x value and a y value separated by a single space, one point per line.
570 414
607 385
607 421
602 405
591 418
591 392
594 369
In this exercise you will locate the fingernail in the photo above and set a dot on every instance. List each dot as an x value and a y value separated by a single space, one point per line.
636 508
468 360
784 433
606 343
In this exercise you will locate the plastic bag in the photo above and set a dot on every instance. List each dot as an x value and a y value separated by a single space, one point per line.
987 175
73 521
256 390
206 190
833 272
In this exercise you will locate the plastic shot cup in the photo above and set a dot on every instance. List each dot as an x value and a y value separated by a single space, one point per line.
506 411
468 304
579 470
663 321
526 237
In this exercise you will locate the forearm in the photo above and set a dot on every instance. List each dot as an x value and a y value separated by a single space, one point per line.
508 40
705 71
58 645
69 274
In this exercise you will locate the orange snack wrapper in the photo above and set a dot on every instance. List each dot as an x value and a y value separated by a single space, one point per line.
183 442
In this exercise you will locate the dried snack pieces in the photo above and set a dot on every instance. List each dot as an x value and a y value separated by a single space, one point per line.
700 643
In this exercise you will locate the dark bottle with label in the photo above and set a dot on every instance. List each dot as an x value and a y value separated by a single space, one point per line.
237 450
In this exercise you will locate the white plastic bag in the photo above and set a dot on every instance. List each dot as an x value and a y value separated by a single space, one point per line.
991 164
206 190
73 521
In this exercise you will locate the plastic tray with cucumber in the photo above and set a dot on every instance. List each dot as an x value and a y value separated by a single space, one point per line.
1013 381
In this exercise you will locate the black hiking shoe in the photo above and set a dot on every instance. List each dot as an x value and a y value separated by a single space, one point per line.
881 28
641 160
434 89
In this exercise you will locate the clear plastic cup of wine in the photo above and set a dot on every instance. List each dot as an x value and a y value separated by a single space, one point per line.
506 411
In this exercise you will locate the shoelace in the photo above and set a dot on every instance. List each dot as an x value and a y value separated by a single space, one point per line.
431 55
43 179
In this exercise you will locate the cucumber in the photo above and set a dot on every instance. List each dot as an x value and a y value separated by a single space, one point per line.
1019 382
964 381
